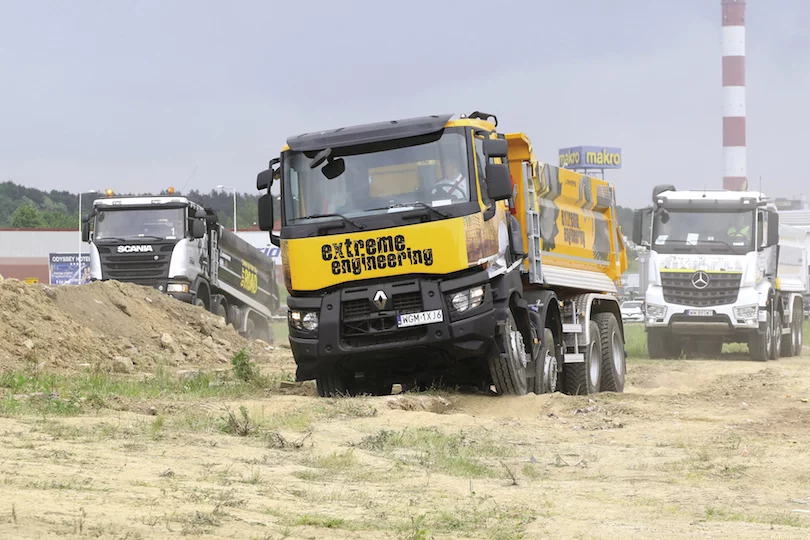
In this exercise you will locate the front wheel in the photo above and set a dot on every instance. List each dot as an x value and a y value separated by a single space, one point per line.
776 347
508 368
760 344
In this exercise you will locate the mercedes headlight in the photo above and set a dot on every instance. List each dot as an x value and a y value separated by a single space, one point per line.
748 313
656 312
303 320
467 300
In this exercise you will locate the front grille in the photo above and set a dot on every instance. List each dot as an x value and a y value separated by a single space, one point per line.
364 325
722 289
140 268
363 307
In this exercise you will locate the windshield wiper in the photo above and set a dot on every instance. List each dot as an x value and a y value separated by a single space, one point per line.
415 203
150 236
341 216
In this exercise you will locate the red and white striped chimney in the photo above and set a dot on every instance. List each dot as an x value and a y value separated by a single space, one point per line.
734 176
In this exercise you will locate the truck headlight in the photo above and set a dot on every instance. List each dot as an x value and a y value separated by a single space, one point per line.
748 313
656 312
177 287
311 321
467 300
303 320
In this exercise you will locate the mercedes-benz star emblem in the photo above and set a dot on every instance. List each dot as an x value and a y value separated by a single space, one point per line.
380 299
700 280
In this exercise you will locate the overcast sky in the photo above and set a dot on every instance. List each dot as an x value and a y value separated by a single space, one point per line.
136 95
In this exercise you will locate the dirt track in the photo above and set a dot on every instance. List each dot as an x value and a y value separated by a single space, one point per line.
715 449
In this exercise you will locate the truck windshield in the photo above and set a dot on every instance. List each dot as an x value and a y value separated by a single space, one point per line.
433 174
162 223
703 232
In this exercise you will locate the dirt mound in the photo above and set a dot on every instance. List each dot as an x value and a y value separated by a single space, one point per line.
118 326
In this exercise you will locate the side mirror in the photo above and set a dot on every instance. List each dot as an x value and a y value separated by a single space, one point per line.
85 230
496 148
773 228
197 229
499 181
264 180
266 212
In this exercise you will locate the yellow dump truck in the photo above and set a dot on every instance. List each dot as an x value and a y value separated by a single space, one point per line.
438 250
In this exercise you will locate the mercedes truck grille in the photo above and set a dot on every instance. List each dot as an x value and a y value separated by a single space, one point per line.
700 289
140 268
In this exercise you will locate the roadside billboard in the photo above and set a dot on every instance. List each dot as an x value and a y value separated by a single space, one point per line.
63 269
590 157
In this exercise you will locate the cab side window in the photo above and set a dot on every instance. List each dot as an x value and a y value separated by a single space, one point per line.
481 160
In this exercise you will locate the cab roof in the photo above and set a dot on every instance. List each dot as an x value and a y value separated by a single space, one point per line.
381 131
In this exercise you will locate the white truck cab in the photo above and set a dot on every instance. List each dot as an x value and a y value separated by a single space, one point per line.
721 270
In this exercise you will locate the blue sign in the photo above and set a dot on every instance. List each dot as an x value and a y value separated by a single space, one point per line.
63 269
591 157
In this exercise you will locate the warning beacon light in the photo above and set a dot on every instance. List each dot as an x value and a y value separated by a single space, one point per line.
170 190
109 192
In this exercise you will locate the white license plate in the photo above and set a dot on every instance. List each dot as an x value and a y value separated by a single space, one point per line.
700 313
423 317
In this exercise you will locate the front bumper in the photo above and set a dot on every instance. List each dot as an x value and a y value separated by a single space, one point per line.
722 321
345 337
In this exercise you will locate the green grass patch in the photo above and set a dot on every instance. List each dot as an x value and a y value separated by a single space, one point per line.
454 454
636 342
31 392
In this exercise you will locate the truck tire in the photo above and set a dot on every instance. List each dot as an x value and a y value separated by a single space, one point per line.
759 345
333 384
798 320
585 378
791 343
546 364
776 347
662 345
614 364
508 368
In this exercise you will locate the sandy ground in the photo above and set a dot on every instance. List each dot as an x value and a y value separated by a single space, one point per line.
710 449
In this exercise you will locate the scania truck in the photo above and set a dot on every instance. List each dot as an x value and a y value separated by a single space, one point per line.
437 249
178 247
722 269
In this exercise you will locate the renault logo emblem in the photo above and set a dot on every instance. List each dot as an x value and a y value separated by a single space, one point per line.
700 280
380 299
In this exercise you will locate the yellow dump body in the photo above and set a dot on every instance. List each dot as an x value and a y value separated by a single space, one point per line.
575 240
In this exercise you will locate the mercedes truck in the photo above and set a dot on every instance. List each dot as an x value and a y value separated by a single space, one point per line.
722 269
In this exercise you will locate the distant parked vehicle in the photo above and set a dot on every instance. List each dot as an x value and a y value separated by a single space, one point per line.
632 311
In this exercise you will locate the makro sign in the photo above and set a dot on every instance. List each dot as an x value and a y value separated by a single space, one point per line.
591 157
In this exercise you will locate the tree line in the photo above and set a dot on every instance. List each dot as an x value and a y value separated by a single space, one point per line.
30 208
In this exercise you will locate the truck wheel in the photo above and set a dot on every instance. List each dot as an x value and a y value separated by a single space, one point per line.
662 345
776 347
613 361
791 345
759 345
585 378
508 369
334 384
546 364
798 321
